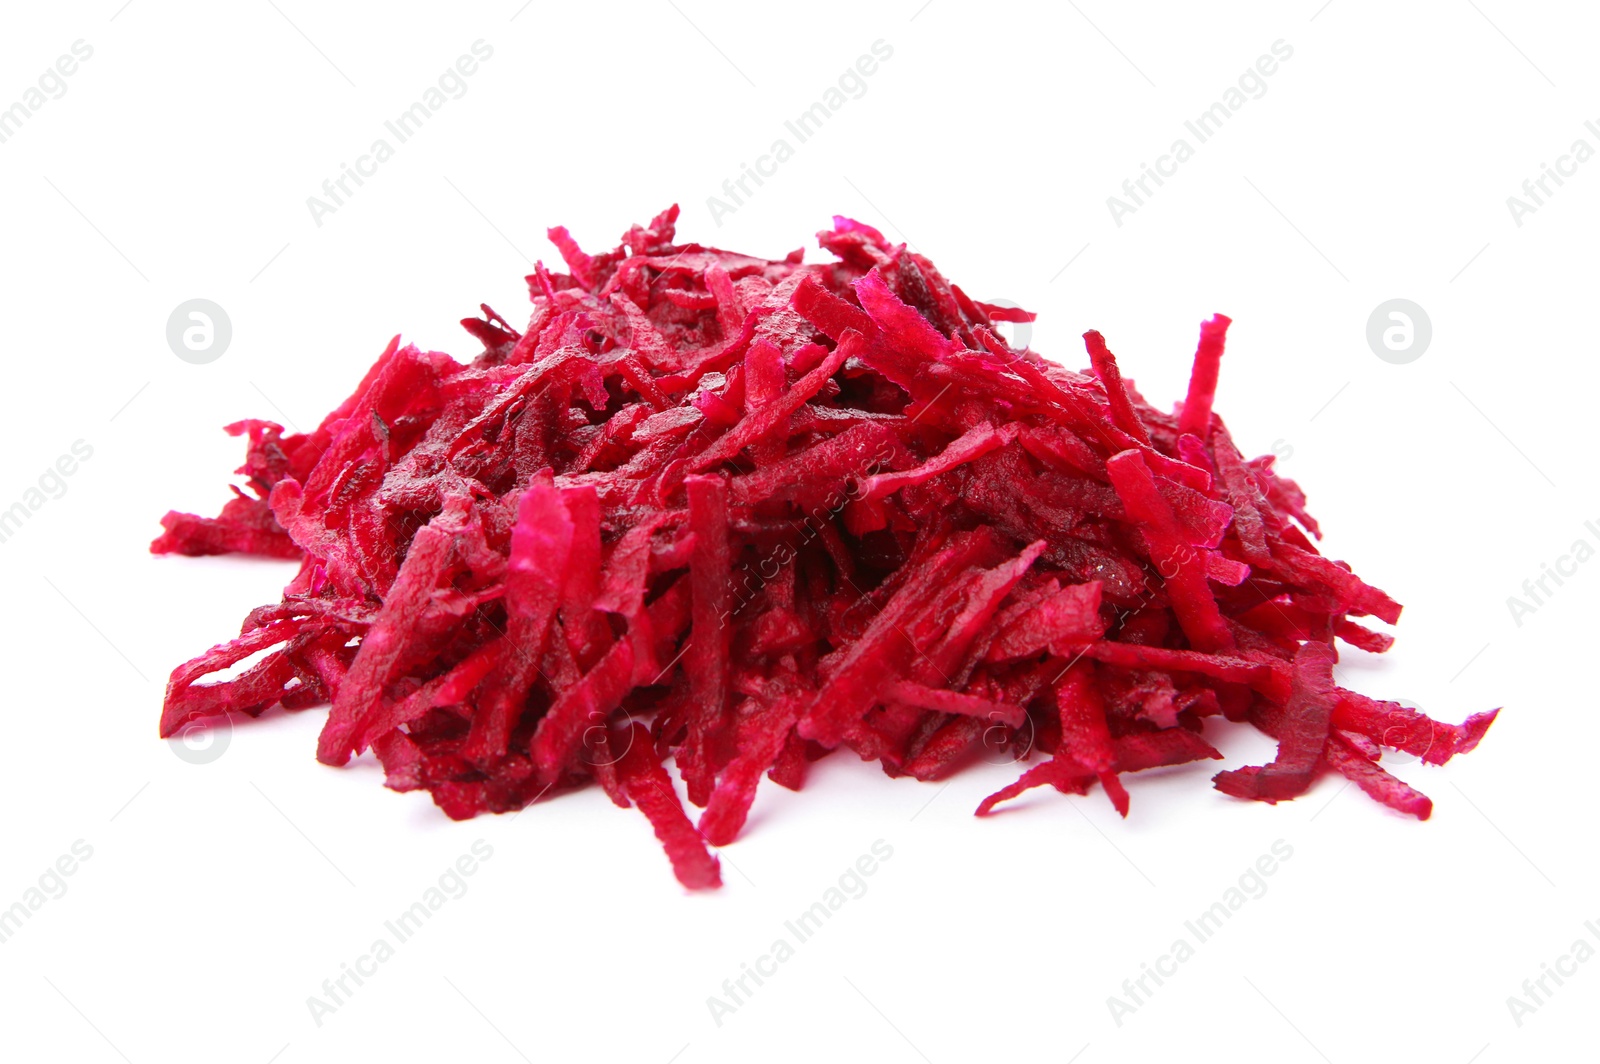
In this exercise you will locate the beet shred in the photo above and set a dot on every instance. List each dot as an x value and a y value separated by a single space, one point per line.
738 513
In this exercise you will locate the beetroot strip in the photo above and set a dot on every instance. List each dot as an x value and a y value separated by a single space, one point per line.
649 787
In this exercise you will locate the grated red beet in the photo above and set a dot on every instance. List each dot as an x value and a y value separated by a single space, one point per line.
742 513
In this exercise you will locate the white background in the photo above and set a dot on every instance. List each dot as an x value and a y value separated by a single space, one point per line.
1377 165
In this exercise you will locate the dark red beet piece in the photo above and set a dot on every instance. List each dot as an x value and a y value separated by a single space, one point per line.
1301 737
736 513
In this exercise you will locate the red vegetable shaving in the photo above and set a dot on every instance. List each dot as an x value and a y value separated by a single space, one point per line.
741 513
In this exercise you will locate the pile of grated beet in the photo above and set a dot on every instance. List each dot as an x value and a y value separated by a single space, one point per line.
744 513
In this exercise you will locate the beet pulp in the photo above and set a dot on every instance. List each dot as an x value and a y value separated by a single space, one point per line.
736 514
